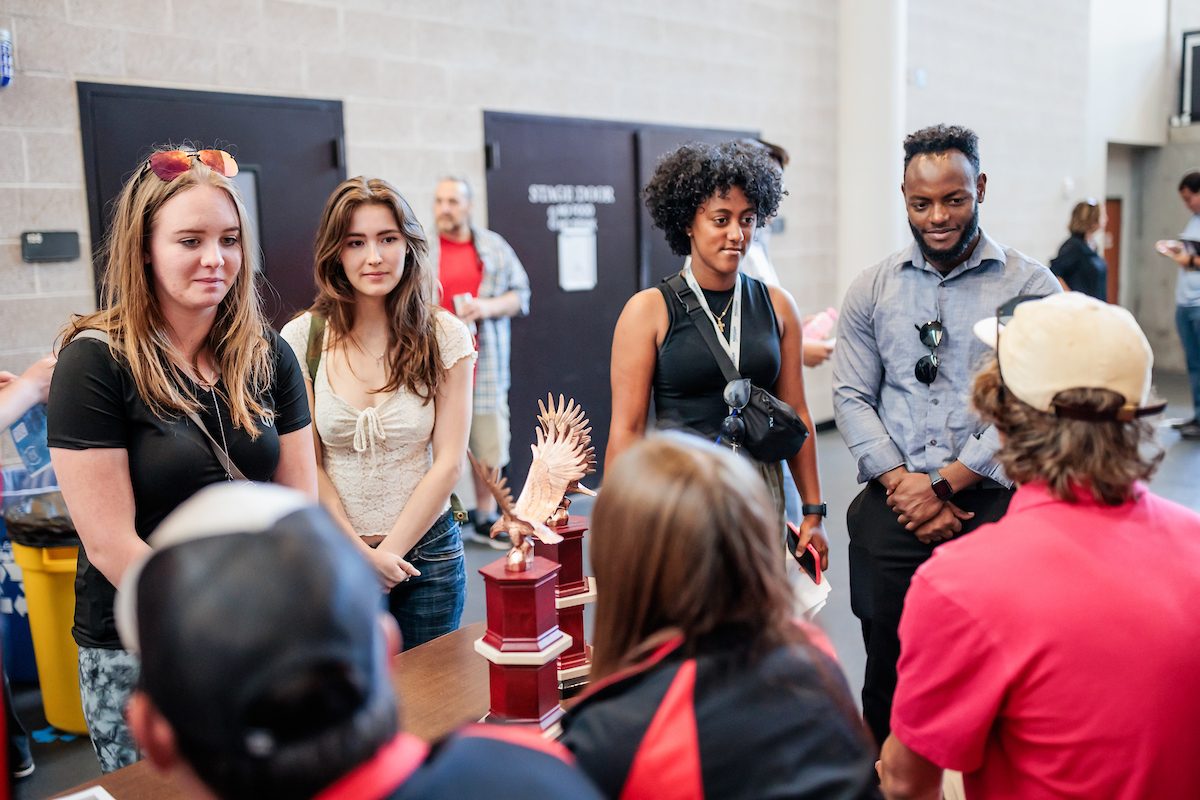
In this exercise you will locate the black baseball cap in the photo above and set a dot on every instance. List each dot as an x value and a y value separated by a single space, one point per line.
251 604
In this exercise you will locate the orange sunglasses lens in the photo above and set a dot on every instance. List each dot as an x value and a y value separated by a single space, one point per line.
170 164
219 161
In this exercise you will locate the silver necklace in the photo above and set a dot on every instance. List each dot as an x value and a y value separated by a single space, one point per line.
212 388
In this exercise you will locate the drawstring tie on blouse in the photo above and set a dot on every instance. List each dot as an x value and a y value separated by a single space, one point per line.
367 431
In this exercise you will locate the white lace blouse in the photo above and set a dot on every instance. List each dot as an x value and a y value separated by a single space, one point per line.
376 456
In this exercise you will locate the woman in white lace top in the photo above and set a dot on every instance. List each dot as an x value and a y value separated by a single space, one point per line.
391 399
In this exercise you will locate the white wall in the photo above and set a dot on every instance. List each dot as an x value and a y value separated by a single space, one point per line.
415 78
1014 72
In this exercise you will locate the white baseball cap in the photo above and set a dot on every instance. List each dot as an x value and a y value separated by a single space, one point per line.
1071 341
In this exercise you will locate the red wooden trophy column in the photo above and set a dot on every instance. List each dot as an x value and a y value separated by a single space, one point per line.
575 590
522 643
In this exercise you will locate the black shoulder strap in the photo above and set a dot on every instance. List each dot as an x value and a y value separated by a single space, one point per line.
218 451
691 305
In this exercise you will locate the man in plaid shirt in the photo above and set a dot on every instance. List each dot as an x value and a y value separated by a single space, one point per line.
483 282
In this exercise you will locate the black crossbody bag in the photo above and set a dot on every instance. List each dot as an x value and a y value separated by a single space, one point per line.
774 431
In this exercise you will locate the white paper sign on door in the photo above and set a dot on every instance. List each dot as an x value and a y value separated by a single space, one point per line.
577 257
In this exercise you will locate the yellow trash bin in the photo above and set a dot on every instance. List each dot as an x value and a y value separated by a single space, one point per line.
49 574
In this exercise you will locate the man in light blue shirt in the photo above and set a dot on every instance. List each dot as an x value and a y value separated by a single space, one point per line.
1186 254
902 375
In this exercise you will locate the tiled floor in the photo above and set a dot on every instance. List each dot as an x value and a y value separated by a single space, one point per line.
63 764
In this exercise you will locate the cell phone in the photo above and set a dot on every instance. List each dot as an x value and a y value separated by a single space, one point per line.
809 560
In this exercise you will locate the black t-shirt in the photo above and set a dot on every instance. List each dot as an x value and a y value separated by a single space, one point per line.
94 403
687 381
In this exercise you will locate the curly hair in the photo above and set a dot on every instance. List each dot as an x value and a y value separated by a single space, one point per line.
688 176
1104 458
939 139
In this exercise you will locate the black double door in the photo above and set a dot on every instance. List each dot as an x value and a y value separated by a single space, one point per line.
547 174
289 151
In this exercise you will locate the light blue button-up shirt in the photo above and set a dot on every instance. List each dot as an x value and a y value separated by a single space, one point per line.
1187 288
889 418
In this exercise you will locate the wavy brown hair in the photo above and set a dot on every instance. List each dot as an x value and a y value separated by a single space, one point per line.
139 334
413 360
683 541
1103 458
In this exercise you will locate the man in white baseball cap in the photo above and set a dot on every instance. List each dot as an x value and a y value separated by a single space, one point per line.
1053 653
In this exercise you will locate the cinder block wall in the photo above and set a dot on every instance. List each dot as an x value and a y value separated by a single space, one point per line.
415 77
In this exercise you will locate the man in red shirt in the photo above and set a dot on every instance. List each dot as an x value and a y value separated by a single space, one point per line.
483 282
1053 653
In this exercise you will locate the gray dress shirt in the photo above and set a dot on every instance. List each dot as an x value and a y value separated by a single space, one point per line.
889 418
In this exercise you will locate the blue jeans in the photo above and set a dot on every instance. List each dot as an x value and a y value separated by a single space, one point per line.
432 604
1187 320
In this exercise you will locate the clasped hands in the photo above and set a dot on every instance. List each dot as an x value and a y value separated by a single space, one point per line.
919 510
391 568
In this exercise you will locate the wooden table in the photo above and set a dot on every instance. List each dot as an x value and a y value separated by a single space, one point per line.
440 685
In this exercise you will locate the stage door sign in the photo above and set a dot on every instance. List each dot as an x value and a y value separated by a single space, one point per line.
566 194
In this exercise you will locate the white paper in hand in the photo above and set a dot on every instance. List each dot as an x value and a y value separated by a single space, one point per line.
811 596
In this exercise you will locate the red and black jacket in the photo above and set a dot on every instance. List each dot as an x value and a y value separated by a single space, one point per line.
721 723
497 762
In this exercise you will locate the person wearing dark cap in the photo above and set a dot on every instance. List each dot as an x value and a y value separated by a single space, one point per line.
265 667
1053 653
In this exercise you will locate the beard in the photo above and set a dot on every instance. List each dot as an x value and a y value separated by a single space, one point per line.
955 252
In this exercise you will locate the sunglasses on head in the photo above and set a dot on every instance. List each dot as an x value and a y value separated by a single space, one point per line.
931 334
733 428
168 165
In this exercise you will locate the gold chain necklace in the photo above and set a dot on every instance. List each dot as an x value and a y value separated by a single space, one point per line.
721 316
359 344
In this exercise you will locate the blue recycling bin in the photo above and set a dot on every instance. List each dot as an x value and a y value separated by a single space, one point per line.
17 641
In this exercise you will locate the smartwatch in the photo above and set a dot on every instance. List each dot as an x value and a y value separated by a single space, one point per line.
941 486
820 509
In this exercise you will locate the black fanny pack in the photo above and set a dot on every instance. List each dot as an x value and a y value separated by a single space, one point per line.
774 431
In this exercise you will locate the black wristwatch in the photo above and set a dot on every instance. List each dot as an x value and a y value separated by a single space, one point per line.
814 508
941 486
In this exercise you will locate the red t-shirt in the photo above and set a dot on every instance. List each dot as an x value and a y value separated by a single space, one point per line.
1055 654
460 271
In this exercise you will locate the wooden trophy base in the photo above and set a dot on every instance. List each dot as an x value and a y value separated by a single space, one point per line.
575 663
522 643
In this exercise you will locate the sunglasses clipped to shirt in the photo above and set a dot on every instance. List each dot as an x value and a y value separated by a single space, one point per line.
931 334
168 165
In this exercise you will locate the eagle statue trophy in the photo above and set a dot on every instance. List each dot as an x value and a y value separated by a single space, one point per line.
562 456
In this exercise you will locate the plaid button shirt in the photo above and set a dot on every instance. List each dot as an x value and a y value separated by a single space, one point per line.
502 272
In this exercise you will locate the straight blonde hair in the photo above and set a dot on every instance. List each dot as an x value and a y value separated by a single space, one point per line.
138 332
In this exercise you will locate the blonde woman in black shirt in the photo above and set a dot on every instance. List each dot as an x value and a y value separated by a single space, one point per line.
175 384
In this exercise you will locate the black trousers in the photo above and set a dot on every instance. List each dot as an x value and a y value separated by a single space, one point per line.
883 558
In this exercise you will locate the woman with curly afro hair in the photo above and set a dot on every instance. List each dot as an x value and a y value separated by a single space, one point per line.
709 200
